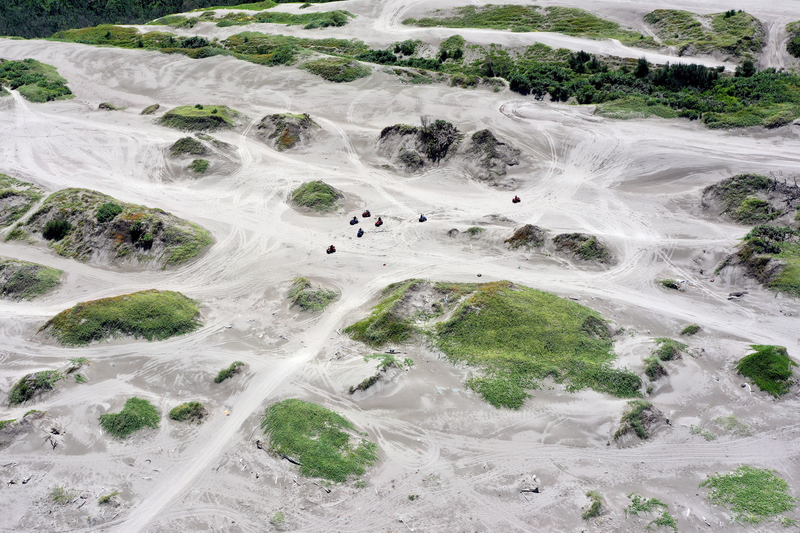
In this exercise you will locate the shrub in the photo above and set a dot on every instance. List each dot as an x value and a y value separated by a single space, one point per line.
108 211
191 411
307 299
56 229
669 284
226 373
691 329
149 110
337 69
769 367
199 166
33 384
187 145
635 419
135 415
19 279
653 369
61 495
594 508
668 349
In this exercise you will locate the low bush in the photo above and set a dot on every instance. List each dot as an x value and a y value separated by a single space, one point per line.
595 507
229 372
635 419
135 415
187 145
199 117
199 166
108 211
35 81
33 384
191 411
769 367
23 280
308 299
56 229
337 69
691 329
668 349
670 284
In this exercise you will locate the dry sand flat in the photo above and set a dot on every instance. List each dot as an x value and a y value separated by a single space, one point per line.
636 184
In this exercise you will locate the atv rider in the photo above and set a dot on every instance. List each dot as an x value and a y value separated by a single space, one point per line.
331 249
360 233
516 200
423 218
366 214
354 221
379 222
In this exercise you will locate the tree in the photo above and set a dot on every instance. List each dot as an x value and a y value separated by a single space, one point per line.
642 68
746 69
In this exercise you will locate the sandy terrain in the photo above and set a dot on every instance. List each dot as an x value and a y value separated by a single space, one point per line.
636 184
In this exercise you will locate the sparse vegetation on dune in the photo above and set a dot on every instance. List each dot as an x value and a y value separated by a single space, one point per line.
594 509
753 495
637 419
229 372
35 81
514 335
324 443
187 145
316 195
307 298
752 198
135 415
528 235
25 281
643 505
668 349
583 246
199 117
336 69
691 329
152 315
321 19
199 166
770 254
33 384
287 129
151 109
769 367
16 198
189 411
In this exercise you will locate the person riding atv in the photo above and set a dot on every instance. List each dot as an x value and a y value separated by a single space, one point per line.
379 222
516 200
360 233
354 221
423 218
366 214
331 249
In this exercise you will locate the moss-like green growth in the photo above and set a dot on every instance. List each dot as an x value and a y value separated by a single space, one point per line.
287 129
668 349
528 235
16 198
752 494
691 329
386 361
316 195
151 109
737 34
187 145
583 246
105 106
337 69
33 384
637 418
24 281
570 21
199 117
595 507
71 220
474 231
152 315
136 415
189 411
323 442
308 299
513 334
769 367
199 166
229 372
37 82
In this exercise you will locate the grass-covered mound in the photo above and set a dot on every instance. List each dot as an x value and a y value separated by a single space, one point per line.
753 495
33 384
152 315
324 443
37 82
595 507
189 411
316 195
321 19
16 198
769 367
199 166
229 371
285 130
569 21
91 226
691 329
136 414
337 69
151 109
771 255
307 298
583 246
187 145
752 198
528 235
511 334
733 33
21 280
637 419
414 145
668 349
199 117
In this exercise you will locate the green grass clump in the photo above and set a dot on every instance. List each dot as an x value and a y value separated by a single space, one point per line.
321 440
669 283
153 315
631 107
321 19
738 195
595 507
474 231
653 369
643 505
278 519
191 411
634 419
287 128
668 349
761 246
151 109
752 494
33 384
691 329
769 367
229 372
337 69
80 378
108 211
199 166
734 425
25 281
697 430
187 145
4 423
102 500
738 34
199 117
316 195
385 324
308 299
136 415
18 197
61 495
569 21
37 82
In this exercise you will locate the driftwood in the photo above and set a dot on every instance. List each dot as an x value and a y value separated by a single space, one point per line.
293 461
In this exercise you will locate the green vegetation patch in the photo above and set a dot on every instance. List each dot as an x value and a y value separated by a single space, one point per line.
691 329
386 361
16 198
337 69
199 117
9 423
33 384
639 416
648 506
569 21
595 507
734 425
583 246
752 494
669 283
304 296
793 44
151 109
697 430
187 145
771 254
153 315
323 442
735 33
668 349
188 411
136 415
106 498
632 107
229 372
21 280
61 495
36 82
769 367
742 197
653 369
528 235
199 166
320 19
316 195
